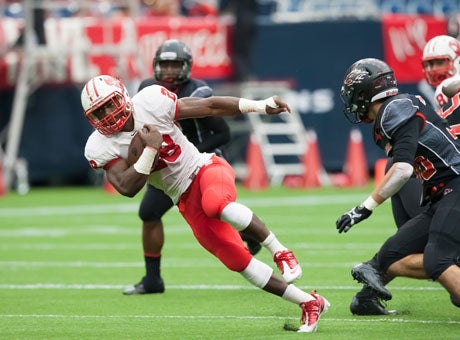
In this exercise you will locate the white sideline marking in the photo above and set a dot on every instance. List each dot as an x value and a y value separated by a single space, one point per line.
133 207
248 317
167 263
189 287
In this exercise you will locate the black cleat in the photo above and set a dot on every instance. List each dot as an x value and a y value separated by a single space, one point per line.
141 288
366 274
369 306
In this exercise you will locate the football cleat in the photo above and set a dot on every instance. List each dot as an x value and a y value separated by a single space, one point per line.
141 288
311 312
366 274
369 306
288 265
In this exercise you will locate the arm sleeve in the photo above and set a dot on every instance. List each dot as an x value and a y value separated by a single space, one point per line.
218 133
406 140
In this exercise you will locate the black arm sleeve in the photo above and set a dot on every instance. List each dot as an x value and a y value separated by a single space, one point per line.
217 133
405 140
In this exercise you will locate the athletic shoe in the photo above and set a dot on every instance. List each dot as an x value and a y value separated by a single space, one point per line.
369 306
288 265
366 274
142 288
311 312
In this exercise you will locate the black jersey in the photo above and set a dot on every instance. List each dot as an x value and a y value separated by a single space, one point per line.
411 131
208 134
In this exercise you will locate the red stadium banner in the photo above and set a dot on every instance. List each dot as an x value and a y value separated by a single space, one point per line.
79 48
404 37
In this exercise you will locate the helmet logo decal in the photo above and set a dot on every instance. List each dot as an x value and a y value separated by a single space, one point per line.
355 76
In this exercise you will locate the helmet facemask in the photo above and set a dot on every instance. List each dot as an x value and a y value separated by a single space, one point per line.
111 115
106 104
355 104
173 78
442 69
173 51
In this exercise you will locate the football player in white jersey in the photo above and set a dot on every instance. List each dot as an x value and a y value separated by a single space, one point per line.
202 185
441 65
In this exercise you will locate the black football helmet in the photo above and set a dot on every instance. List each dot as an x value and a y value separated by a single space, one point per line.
365 82
173 50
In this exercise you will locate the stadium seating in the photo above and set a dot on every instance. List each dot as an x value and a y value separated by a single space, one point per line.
393 6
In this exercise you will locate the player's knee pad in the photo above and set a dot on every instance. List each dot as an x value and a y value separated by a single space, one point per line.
148 214
258 273
238 215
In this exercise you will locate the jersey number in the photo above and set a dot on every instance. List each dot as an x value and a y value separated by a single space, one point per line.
444 112
168 153
424 169
168 94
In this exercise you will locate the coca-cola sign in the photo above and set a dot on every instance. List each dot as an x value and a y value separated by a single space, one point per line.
79 48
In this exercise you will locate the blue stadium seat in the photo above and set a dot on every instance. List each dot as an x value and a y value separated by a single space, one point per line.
420 6
445 7
393 6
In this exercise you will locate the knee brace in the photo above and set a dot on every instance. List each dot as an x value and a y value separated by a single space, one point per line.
258 273
238 215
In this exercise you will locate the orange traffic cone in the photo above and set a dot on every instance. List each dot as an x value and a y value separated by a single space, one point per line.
379 170
108 187
356 164
311 160
257 178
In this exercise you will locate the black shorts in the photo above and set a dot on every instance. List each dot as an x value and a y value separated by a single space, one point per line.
434 232
154 205
405 204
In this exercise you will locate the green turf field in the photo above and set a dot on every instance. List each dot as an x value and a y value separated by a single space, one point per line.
67 253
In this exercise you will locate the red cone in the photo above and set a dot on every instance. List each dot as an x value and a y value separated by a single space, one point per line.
356 167
313 168
257 178
379 170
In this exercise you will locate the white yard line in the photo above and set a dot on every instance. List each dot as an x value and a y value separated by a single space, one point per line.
309 200
240 317
191 287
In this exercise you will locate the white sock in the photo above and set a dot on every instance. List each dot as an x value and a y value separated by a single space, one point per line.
296 295
272 244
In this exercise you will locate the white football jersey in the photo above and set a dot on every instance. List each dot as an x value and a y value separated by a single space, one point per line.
178 160
441 98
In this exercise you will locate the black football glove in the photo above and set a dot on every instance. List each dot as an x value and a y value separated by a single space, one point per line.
352 217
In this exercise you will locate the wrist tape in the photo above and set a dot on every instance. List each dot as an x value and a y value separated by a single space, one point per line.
248 105
145 161
370 203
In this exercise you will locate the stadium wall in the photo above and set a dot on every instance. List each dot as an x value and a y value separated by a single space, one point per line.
312 55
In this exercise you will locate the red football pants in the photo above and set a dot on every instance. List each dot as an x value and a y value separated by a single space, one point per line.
201 205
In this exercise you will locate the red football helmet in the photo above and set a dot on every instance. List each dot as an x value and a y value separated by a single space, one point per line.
441 59
106 104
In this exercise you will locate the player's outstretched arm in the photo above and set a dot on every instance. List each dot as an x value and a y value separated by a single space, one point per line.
191 107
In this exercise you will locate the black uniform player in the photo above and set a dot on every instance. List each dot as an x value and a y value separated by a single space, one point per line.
440 62
405 204
420 141
172 66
